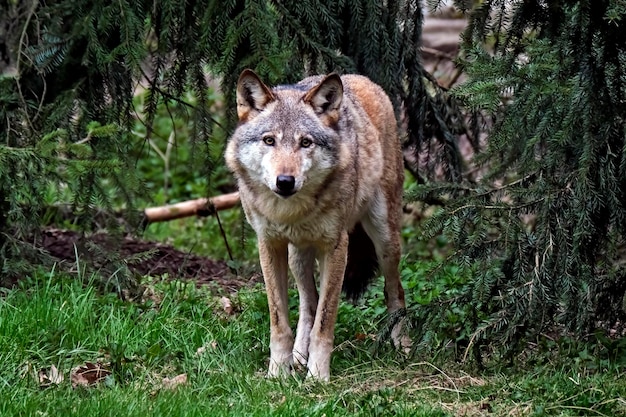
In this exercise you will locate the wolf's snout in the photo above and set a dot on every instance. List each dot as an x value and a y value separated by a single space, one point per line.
286 184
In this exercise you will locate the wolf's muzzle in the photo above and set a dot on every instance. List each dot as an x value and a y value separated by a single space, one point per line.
285 185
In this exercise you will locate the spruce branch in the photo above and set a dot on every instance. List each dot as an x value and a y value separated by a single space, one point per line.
21 43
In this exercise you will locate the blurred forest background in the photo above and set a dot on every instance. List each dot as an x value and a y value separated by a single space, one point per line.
515 140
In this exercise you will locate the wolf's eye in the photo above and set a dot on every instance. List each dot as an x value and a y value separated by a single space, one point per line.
306 142
269 140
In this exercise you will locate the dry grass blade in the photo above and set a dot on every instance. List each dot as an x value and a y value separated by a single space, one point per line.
175 382
50 376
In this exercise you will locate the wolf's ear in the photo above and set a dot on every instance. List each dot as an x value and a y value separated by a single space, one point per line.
326 97
252 95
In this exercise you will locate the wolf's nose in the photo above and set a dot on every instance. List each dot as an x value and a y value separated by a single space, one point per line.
285 184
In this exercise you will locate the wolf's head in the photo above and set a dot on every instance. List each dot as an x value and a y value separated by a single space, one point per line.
287 138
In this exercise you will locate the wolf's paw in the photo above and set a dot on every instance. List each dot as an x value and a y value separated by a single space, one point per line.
316 374
400 337
280 370
319 365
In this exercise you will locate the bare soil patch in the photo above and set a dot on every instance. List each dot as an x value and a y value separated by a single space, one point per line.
146 258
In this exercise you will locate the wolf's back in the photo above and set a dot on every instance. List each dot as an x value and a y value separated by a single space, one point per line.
377 105
362 264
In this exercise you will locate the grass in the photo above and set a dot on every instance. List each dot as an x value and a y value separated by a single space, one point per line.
177 329
204 237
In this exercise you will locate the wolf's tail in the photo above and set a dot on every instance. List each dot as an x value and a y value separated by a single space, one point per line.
362 263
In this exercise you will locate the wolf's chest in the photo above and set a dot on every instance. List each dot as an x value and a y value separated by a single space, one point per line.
319 233
317 229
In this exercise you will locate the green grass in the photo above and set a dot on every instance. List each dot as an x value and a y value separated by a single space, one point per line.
176 329
203 236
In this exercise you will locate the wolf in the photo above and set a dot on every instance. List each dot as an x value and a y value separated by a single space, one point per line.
320 171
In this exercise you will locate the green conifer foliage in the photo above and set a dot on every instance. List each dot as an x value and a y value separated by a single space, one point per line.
543 228
69 70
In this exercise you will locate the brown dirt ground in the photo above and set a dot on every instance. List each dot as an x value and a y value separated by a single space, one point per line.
146 258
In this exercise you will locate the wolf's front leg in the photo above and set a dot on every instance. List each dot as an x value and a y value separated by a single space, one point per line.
273 258
333 267
302 264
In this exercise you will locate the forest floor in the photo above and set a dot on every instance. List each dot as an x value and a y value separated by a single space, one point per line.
148 258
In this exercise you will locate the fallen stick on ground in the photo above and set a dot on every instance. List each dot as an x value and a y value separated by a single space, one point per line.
197 207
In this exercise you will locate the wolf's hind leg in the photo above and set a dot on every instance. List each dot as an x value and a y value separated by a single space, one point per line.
302 264
384 230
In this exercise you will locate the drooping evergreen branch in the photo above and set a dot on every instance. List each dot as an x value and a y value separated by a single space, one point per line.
544 224
76 67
